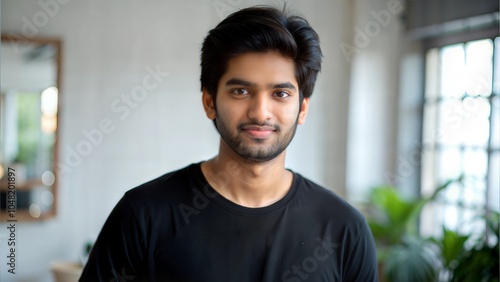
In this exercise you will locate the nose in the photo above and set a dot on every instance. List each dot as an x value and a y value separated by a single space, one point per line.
260 107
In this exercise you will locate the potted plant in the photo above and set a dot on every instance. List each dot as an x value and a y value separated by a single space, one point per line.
403 254
465 258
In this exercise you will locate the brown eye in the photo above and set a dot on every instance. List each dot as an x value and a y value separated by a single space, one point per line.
281 94
240 91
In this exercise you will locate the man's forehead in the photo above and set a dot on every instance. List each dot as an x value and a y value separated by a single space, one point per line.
270 69
242 82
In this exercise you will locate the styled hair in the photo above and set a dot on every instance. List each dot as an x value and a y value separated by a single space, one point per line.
261 29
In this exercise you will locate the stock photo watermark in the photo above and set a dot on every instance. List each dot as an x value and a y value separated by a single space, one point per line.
40 18
310 264
31 25
364 36
121 108
11 206
30 28
201 200
458 114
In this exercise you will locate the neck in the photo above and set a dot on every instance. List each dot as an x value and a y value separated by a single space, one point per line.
248 183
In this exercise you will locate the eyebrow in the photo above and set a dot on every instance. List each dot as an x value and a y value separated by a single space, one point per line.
238 81
286 85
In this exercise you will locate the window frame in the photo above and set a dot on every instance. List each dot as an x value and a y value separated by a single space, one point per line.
440 42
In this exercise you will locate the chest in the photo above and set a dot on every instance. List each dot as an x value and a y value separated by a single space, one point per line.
217 246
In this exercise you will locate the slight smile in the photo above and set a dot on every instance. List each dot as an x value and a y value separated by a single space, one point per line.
257 131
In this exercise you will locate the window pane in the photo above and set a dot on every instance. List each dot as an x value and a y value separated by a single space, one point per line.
428 178
479 68
464 122
450 121
496 79
474 193
471 223
495 123
452 194
494 182
429 132
449 165
451 217
431 218
476 132
475 125
461 134
432 74
453 71
475 162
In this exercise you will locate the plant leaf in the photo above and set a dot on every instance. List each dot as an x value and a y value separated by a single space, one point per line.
478 265
452 246
412 261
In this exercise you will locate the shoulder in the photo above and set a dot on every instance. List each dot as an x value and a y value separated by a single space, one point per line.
327 202
344 225
166 183
162 192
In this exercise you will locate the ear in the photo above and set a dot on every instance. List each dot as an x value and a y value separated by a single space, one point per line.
208 104
304 108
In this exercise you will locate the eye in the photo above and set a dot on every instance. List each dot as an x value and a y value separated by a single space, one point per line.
281 94
240 91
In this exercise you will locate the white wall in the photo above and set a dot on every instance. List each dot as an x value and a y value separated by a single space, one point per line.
107 47
373 118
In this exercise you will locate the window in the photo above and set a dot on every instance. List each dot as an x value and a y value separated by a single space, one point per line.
461 135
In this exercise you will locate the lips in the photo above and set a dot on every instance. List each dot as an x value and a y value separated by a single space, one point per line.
257 131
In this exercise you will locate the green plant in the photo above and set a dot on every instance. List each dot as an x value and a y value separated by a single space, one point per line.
84 255
477 263
402 254
451 245
411 260
28 128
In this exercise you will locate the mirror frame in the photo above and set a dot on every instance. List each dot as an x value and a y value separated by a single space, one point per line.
23 215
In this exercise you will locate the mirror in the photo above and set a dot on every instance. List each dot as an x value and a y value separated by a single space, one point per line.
29 95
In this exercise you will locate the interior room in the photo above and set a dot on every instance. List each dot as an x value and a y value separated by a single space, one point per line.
98 97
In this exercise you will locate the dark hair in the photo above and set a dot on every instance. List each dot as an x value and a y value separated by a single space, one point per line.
261 29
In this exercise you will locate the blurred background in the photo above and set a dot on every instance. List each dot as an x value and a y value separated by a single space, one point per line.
98 97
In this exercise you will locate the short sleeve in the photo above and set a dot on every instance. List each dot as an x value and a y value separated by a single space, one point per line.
362 264
119 251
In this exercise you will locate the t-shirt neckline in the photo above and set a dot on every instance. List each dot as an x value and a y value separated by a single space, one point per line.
242 210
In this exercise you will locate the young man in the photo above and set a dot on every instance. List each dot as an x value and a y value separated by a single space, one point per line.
241 216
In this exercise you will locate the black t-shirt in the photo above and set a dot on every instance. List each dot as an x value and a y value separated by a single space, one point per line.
178 228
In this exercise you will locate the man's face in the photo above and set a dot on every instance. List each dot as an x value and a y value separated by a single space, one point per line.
257 107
